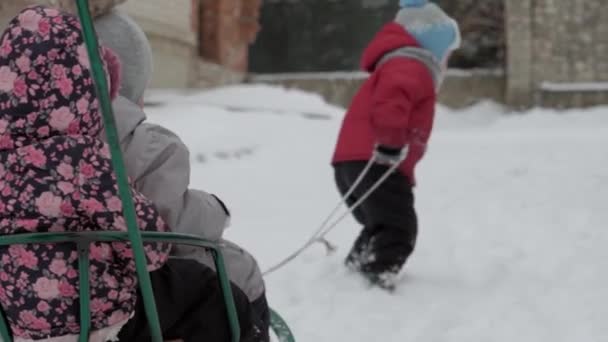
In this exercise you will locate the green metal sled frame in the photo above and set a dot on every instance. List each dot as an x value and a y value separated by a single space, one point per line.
82 240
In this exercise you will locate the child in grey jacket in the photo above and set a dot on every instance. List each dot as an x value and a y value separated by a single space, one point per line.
158 162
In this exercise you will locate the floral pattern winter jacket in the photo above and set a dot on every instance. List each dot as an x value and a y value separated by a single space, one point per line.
56 175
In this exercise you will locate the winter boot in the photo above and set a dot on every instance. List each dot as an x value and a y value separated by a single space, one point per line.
386 253
360 251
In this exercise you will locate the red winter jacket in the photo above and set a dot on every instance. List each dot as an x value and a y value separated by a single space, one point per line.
394 107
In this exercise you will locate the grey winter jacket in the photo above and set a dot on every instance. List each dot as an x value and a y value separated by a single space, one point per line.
158 162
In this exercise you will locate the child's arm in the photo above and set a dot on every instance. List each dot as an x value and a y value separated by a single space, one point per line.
109 216
159 163
401 84
99 202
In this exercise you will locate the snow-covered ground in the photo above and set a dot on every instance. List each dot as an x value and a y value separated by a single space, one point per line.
513 215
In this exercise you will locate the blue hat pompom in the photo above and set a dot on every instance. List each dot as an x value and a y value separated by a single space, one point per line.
413 3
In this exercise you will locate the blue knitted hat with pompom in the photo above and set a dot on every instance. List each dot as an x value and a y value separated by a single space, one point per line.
432 28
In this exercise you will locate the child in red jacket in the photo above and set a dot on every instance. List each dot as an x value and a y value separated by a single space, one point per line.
392 116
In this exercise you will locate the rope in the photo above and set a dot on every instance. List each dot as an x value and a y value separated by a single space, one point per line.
313 238
319 235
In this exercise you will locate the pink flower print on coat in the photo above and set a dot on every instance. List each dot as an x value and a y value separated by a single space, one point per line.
92 206
66 188
113 295
20 88
5 48
58 71
58 267
67 209
43 131
28 259
66 289
29 20
35 156
100 252
77 71
7 79
46 288
61 119
49 204
65 86
82 105
55 176
87 170
24 64
44 27
83 56
99 305
3 126
66 171
43 306
114 204
28 224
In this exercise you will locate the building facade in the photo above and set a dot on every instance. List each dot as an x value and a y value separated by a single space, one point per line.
557 52
196 43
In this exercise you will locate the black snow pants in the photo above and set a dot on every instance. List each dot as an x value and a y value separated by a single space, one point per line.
388 217
191 307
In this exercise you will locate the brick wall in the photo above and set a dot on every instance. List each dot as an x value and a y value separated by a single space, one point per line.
227 28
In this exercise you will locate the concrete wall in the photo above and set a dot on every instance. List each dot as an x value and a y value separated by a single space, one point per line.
556 41
172 33
461 88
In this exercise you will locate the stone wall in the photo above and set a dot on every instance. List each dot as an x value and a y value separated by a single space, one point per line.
570 40
460 89
558 42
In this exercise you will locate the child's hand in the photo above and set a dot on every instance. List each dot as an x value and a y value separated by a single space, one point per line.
389 155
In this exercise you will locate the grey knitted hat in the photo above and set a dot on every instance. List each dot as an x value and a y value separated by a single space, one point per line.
119 32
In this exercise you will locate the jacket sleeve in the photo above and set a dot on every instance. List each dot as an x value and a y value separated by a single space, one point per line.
159 164
401 83
99 202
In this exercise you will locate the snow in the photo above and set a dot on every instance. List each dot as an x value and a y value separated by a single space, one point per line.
512 210
574 86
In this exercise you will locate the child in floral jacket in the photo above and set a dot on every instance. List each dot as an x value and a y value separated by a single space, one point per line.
56 175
